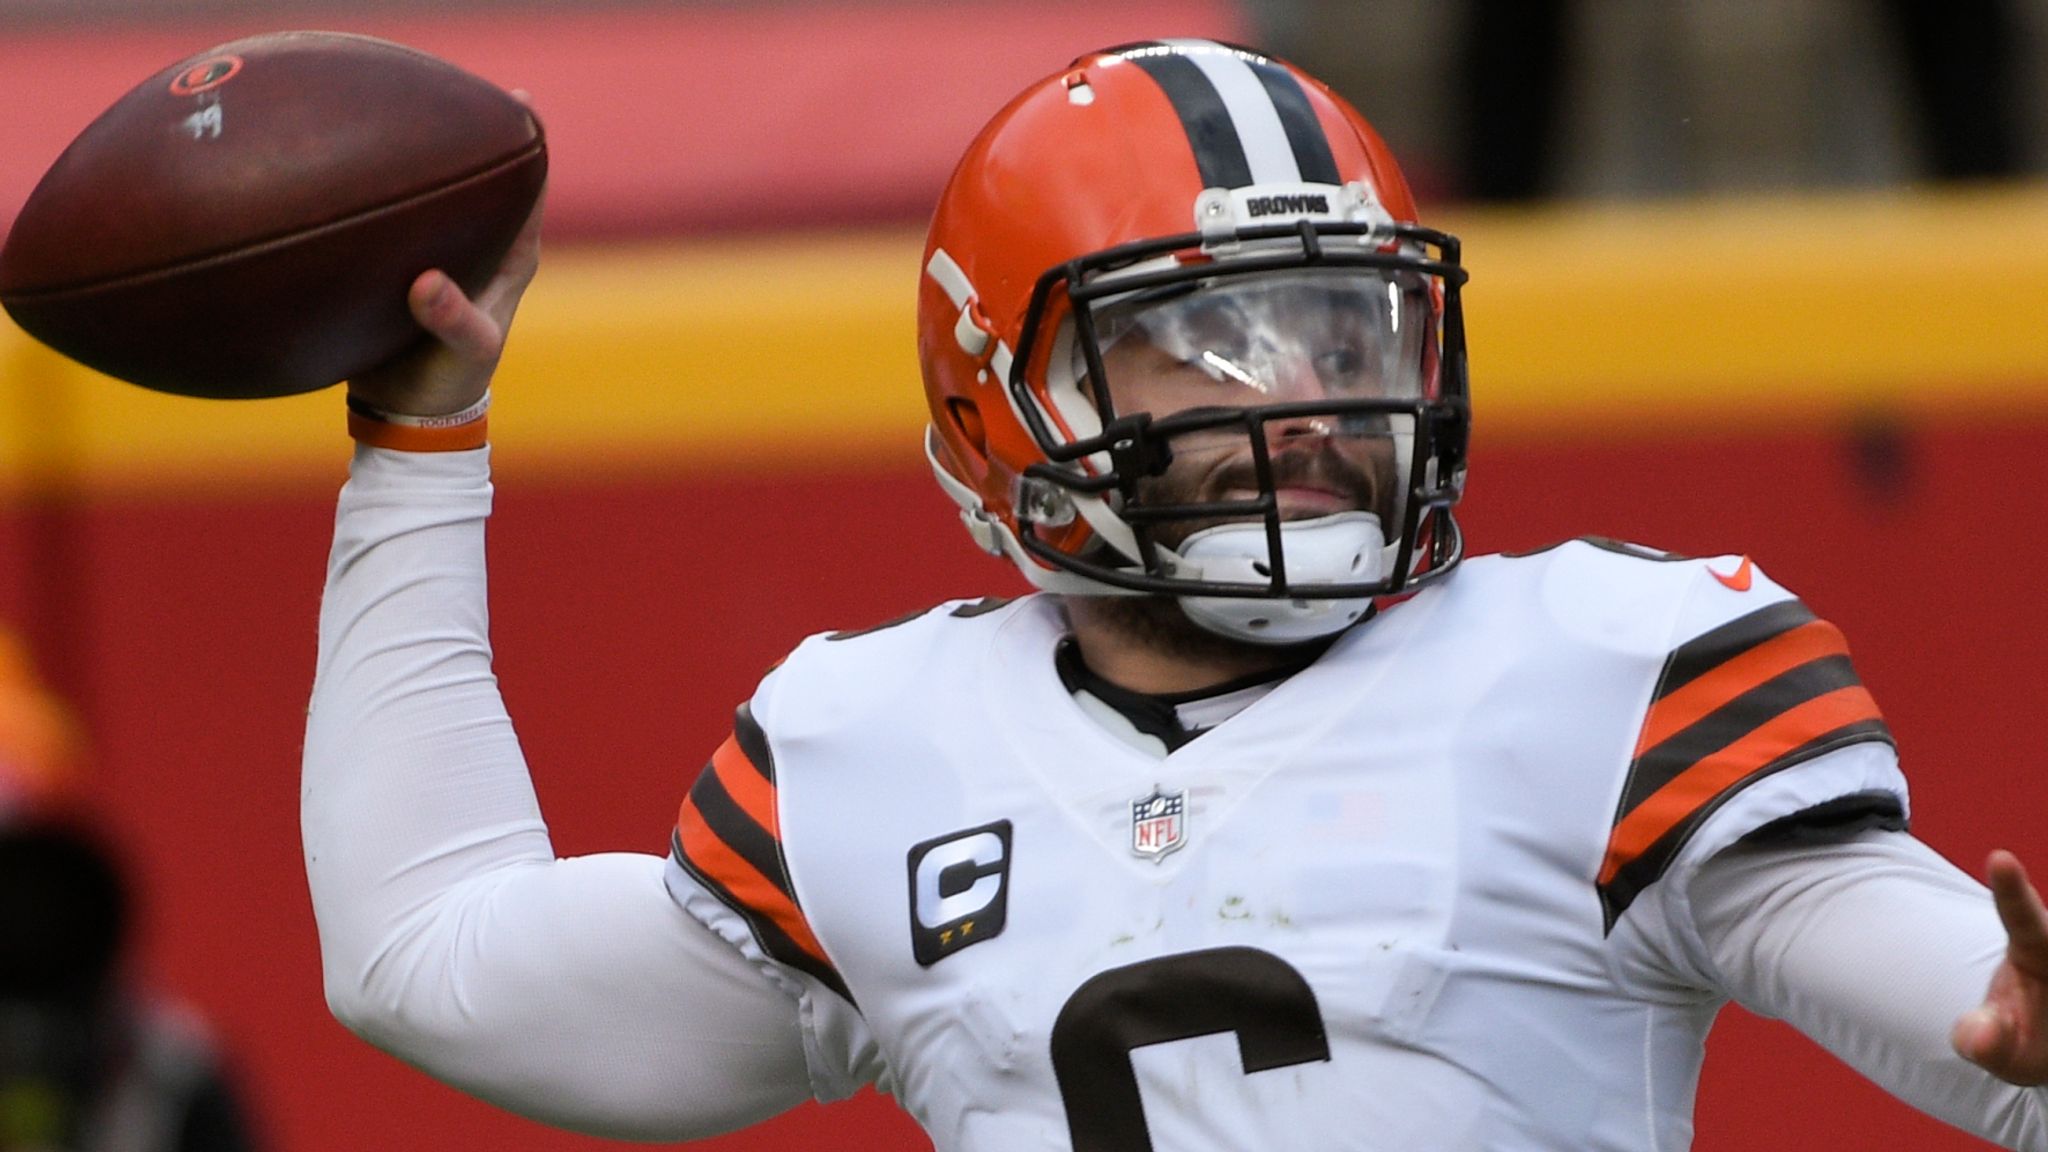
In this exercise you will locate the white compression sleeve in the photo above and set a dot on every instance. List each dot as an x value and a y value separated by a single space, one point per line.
1873 947
573 991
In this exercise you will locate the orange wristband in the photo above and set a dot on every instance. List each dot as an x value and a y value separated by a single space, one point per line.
454 432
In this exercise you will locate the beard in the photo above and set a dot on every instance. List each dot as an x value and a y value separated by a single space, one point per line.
1159 624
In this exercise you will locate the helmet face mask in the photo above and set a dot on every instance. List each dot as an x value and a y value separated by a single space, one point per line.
1265 418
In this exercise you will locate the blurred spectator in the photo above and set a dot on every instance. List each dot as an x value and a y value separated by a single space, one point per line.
1516 100
87 1062
1962 59
1957 60
1513 74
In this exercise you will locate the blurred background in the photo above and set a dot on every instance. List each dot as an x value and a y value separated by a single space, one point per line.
1749 276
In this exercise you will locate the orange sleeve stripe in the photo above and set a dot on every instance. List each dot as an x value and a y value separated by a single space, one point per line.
747 787
1782 653
716 859
1698 785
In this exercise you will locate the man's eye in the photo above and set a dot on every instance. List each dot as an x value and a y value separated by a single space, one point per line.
1340 363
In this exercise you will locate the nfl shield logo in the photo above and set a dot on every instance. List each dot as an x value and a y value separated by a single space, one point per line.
1159 823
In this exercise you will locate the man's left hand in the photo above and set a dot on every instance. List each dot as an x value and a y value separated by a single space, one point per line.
2007 1035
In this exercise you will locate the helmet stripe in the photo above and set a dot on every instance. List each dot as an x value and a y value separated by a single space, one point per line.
1267 149
1304 132
1212 131
1247 116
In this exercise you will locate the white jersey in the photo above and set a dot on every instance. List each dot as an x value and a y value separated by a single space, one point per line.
1426 893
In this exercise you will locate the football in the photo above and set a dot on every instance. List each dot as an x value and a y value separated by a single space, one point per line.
246 222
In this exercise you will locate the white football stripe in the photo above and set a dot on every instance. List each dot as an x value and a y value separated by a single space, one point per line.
944 269
1266 148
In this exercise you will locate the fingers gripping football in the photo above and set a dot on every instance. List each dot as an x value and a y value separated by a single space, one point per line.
452 372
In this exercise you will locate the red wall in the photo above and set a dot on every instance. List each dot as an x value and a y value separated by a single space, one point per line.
661 118
630 620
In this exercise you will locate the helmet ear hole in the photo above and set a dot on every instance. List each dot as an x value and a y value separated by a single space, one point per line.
966 418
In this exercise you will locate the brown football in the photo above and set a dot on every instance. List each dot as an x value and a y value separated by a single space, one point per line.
246 222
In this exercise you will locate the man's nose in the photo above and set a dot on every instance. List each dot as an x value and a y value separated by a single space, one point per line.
1296 382
1295 429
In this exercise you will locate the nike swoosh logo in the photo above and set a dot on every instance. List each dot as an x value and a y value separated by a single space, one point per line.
1738 580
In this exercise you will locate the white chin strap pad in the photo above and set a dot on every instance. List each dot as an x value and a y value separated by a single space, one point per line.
1349 547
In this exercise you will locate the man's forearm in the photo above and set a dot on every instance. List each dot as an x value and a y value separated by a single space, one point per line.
1872 947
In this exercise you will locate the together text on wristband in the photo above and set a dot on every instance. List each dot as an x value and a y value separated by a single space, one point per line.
453 432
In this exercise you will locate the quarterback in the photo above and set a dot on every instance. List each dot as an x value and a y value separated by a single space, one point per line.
1273 819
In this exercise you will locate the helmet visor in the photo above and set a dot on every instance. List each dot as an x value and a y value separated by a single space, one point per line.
1274 386
1325 366
1298 336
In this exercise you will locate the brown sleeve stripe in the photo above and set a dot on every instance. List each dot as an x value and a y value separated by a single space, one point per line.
1633 877
1710 776
748 790
1704 653
1709 691
1656 766
721 819
761 899
1750 698
747 733
728 837
768 930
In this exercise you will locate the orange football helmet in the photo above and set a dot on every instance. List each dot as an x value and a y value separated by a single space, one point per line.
1240 219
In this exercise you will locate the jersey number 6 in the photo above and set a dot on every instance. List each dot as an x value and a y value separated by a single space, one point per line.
1254 994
